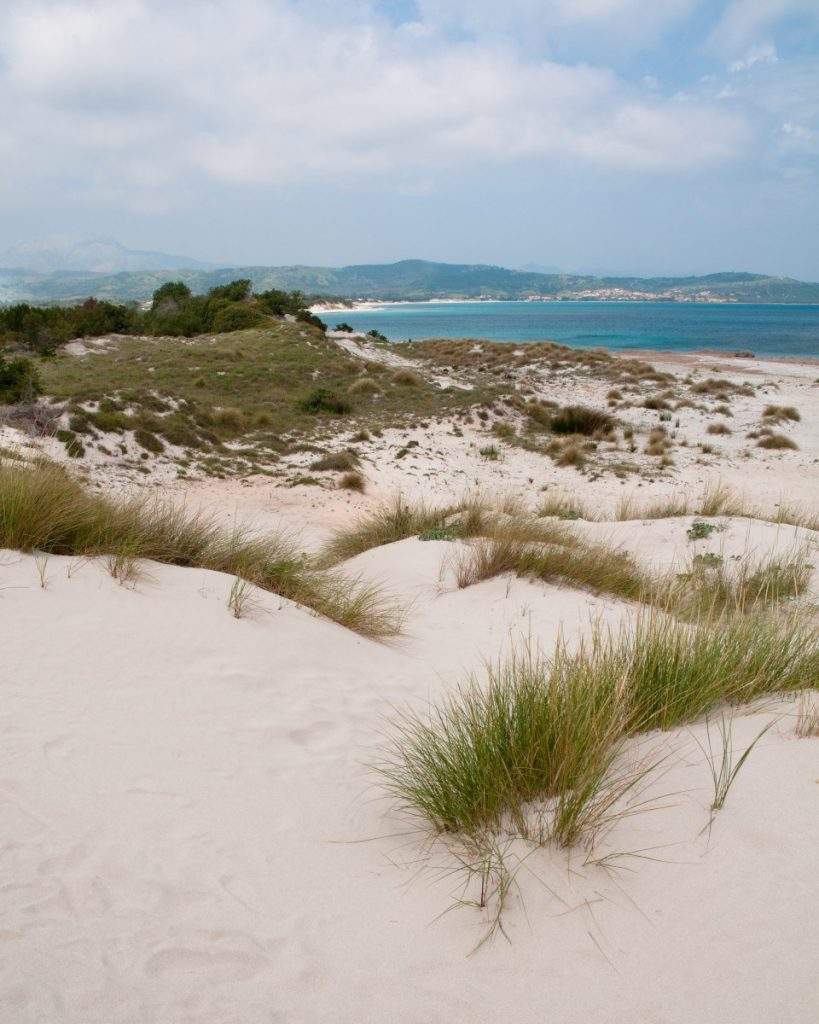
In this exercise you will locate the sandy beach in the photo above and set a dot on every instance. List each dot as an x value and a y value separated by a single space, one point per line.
193 827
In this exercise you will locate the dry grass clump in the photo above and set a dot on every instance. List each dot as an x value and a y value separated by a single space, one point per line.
533 747
363 386
43 509
664 508
569 454
581 419
564 559
718 428
541 411
338 461
777 413
407 378
721 389
658 442
777 442
230 418
352 482
563 506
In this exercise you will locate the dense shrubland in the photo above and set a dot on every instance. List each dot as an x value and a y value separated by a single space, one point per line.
174 311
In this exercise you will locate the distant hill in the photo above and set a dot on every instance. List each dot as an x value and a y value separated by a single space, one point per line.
90 255
407 280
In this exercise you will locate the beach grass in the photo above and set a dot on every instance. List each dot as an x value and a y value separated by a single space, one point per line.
44 509
534 745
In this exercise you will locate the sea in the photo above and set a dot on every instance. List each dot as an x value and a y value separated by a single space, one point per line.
763 329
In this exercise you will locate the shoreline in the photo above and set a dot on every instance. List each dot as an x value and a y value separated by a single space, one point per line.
373 305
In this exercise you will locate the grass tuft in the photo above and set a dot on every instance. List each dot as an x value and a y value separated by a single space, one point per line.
777 442
533 747
43 509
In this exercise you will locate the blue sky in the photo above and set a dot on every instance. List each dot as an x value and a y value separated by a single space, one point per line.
679 136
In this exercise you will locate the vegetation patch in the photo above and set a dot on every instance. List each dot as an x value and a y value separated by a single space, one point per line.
43 509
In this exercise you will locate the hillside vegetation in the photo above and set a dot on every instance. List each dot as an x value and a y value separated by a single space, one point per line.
406 280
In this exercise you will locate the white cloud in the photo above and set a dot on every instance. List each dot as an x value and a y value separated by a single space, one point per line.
127 99
765 53
744 21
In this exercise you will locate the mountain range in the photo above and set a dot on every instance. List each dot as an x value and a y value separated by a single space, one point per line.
406 280
96 255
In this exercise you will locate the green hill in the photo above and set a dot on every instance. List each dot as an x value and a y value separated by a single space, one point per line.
406 280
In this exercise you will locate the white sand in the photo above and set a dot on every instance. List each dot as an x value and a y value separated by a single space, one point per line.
191 834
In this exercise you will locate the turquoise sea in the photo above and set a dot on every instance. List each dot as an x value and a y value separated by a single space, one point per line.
765 330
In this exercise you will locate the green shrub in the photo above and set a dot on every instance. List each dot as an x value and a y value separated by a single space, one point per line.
74 447
323 399
234 318
149 441
19 381
700 530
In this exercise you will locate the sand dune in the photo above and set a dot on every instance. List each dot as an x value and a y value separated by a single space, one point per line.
191 831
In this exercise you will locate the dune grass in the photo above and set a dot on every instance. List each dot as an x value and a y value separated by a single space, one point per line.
44 509
724 769
807 717
534 746
476 516
595 567
710 586
777 442
550 552
384 525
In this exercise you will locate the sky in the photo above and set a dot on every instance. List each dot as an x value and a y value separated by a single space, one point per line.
633 136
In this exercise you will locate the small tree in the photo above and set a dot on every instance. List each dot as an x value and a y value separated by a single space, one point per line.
170 296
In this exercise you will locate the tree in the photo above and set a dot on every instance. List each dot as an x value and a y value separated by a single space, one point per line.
170 296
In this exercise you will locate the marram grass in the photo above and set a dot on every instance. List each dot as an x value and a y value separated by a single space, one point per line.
42 508
539 739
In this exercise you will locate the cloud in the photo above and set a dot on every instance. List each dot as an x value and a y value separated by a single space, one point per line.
762 54
132 98
744 21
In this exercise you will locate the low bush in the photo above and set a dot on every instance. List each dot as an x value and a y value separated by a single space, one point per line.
19 381
322 399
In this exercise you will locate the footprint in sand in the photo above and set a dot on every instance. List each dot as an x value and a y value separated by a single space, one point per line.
216 965
315 735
